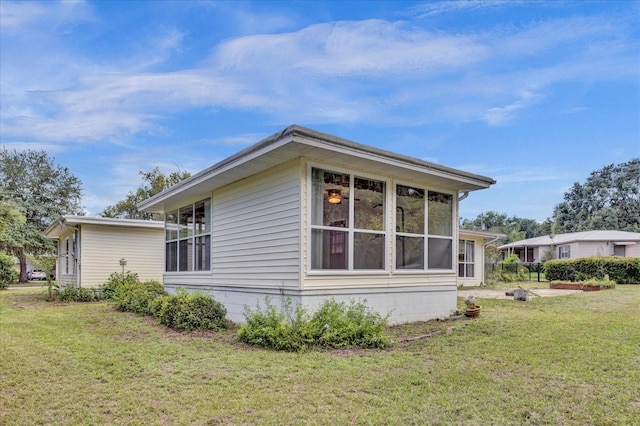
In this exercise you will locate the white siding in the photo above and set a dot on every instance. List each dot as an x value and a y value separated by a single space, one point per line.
256 232
478 261
102 247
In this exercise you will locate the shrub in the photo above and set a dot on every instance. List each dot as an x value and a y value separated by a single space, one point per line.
138 297
337 324
621 270
334 324
80 294
115 282
8 273
513 271
287 329
189 311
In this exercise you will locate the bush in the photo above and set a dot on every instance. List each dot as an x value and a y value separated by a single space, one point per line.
185 311
621 270
115 282
334 324
138 297
8 273
285 329
80 294
512 271
337 324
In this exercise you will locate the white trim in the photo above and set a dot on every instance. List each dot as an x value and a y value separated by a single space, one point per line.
350 230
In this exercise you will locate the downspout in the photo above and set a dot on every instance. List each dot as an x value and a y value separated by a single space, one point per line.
464 195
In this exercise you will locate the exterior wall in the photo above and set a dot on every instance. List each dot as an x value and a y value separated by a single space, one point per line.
255 234
403 305
258 237
102 247
478 262
580 249
633 250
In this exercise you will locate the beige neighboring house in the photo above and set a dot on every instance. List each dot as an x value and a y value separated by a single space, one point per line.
575 245
90 249
310 216
471 255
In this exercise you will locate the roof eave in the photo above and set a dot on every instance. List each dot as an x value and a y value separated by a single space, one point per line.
321 141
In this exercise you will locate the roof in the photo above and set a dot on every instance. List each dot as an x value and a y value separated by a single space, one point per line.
296 141
63 223
615 237
483 234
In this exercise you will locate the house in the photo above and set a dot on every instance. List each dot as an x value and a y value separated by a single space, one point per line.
471 255
90 249
574 245
309 216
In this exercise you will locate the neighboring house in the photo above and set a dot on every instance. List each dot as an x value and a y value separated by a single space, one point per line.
90 249
471 255
309 216
574 245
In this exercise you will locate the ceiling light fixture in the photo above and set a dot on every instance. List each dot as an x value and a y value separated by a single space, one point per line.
334 196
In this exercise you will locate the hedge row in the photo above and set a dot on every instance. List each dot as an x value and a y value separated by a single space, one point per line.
182 311
622 270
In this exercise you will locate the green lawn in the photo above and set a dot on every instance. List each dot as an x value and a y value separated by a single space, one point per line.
571 360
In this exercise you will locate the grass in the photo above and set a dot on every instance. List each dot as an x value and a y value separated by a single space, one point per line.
568 360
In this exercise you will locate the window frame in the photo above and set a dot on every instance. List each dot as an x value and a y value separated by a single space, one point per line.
465 258
189 237
564 251
350 230
426 236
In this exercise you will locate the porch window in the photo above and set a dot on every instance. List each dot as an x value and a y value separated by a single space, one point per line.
466 258
424 229
188 238
347 222
564 252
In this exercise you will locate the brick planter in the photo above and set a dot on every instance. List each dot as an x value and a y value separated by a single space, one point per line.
577 286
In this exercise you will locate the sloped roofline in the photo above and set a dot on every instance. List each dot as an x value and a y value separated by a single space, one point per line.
572 237
310 137
54 230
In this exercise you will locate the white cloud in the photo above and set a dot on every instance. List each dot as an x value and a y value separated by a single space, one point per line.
348 71
450 6
34 146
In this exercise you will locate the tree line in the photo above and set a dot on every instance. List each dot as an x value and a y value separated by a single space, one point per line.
609 199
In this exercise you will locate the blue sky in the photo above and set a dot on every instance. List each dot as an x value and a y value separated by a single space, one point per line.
533 94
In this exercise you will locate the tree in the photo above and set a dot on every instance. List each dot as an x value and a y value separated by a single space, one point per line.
514 227
10 217
40 191
8 274
153 183
609 199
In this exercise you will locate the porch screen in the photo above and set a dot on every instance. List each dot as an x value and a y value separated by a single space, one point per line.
188 238
424 229
347 222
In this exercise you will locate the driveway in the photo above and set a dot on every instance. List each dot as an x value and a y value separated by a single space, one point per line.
488 293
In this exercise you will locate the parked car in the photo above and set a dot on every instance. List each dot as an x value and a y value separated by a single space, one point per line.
37 274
